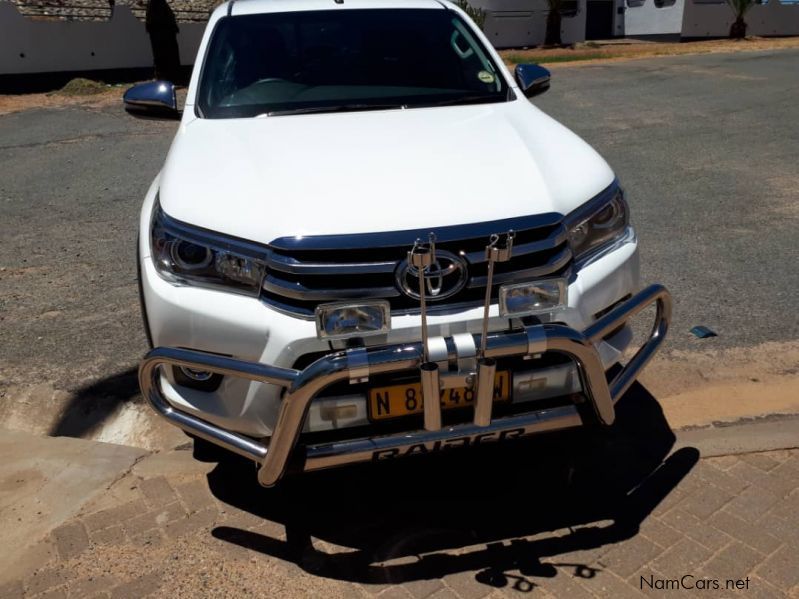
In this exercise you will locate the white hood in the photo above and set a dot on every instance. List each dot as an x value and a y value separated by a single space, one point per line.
360 172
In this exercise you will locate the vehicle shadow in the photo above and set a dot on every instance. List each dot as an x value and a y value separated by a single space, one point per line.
496 510
93 404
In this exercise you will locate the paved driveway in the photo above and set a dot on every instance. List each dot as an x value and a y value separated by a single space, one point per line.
502 523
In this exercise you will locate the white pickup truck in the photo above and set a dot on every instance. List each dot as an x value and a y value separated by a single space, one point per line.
366 243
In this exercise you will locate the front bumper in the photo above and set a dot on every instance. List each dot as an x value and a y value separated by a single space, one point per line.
230 324
302 386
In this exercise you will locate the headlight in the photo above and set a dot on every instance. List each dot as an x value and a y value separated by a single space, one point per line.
599 222
191 255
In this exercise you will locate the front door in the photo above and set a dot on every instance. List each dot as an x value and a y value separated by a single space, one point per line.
599 19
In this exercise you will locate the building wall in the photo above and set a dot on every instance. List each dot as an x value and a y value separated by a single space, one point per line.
648 17
713 19
186 11
37 36
518 23
41 46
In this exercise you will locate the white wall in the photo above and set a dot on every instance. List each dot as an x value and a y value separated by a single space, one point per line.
36 46
517 23
714 20
649 19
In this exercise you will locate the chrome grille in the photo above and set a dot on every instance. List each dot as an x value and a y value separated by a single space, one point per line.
303 272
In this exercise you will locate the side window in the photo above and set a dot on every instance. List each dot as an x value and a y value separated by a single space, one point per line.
569 8
664 3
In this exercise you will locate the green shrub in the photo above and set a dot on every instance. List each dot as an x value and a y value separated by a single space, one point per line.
478 15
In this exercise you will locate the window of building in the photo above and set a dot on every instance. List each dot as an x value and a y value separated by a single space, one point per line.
569 8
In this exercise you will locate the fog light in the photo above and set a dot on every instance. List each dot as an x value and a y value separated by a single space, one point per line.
342 320
535 297
196 375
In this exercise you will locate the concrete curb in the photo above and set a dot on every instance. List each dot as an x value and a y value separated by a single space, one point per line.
769 433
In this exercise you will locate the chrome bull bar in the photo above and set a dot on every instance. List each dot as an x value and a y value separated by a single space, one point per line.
302 386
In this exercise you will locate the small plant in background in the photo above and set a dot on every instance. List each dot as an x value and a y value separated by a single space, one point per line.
478 15
740 8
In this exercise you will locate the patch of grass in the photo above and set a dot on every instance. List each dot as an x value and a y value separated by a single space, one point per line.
82 87
575 57
514 58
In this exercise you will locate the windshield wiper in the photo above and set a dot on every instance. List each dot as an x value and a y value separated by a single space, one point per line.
337 108
481 99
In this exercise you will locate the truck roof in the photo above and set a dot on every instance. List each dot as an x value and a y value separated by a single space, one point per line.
245 7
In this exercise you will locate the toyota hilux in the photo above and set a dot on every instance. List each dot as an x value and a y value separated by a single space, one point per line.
367 243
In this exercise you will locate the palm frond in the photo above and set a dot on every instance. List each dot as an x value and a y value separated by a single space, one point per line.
740 7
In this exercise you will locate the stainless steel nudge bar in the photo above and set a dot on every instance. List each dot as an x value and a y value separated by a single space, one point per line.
301 386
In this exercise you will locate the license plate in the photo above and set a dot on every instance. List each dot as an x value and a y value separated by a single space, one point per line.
401 400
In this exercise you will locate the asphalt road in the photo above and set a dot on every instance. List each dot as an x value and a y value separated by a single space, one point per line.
705 145
707 149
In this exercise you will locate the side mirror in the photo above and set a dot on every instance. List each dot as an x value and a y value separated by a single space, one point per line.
154 99
532 79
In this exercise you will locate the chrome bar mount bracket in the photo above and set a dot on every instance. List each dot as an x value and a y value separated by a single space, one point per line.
499 249
421 257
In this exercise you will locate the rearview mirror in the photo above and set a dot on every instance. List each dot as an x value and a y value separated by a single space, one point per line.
154 99
532 79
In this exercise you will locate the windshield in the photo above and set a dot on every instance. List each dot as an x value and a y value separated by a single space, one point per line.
338 60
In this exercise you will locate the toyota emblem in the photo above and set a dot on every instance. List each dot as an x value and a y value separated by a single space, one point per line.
445 277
